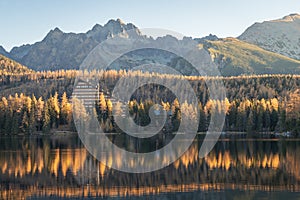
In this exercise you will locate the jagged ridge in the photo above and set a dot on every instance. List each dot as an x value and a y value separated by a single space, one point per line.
280 36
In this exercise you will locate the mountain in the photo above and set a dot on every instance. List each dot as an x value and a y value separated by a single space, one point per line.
280 36
67 50
3 51
148 54
210 37
235 57
11 67
57 50
110 29
268 47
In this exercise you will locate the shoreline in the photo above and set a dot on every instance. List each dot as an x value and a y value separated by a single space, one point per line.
57 134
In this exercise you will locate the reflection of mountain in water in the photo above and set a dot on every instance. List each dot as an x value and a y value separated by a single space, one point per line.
48 167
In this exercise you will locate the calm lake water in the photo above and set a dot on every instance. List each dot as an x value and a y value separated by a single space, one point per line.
237 168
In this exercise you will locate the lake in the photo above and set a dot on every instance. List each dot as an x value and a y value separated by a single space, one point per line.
238 167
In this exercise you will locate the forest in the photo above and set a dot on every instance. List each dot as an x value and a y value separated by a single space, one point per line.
41 102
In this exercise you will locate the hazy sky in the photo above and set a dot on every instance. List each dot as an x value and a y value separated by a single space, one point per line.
28 21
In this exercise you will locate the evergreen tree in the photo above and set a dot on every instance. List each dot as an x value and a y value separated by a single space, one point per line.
39 113
65 110
46 118
250 122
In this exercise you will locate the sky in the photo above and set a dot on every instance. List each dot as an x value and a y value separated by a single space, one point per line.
28 21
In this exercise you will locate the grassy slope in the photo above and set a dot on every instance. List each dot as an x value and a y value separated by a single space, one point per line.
237 57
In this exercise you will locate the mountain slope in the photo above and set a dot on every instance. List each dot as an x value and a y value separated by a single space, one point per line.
280 36
235 57
66 50
3 51
59 50
11 67
110 29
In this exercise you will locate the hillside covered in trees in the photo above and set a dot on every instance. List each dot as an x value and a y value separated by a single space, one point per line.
41 102
11 67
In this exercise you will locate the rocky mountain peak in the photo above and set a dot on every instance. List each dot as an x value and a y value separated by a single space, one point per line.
111 29
56 31
59 49
54 34
120 21
97 27
209 37
119 24
280 36
289 18
3 51
114 23
67 50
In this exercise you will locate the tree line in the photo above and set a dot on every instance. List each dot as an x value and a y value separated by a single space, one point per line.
28 114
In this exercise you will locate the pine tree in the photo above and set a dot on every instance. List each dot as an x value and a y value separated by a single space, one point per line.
46 118
25 123
102 109
39 113
65 110
176 117
232 114
250 122
32 118
54 110
202 119
15 124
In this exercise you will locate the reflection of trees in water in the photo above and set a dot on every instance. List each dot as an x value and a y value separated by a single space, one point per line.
264 163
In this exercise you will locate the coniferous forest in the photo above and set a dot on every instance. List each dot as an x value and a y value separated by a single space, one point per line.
41 102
